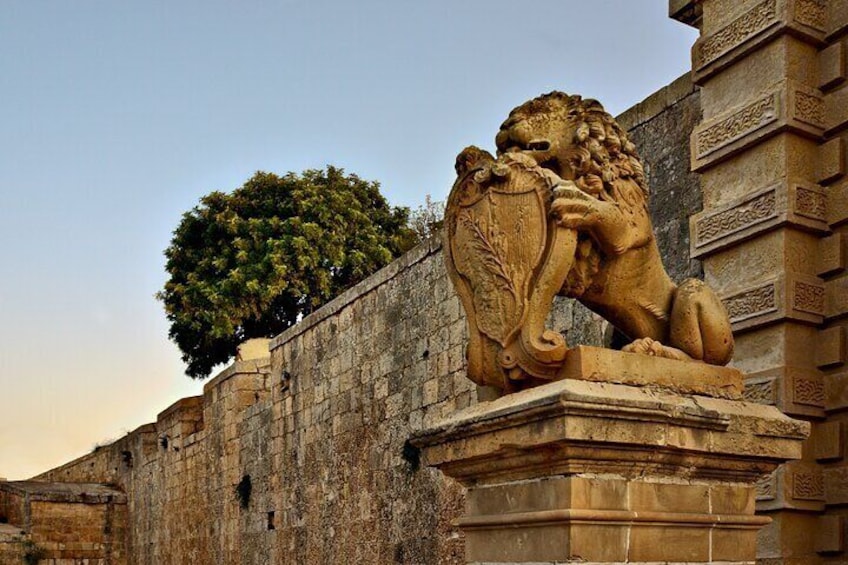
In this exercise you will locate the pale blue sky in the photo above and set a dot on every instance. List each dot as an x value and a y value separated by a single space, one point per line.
117 116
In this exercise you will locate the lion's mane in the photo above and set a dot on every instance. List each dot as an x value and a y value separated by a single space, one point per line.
599 152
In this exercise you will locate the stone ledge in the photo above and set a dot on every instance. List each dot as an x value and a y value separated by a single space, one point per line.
657 103
576 426
599 364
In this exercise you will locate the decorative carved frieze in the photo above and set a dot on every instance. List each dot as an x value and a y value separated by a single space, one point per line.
756 20
715 229
808 486
809 108
811 13
808 298
808 390
751 303
790 106
793 296
766 487
785 385
811 203
760 391
736 125
750 29
801 205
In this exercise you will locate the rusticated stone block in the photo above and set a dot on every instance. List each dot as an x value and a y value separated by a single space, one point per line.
787 203
836 109
836 485
830 537
836 392
830 347
789 106
831 165
837 18
837 210
837 297
827 441
831 257
751 28
832 66
794 297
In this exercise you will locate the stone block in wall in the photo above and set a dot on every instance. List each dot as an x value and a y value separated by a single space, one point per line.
830 536
789 106
836 485
828 441
837 18
831 161
836 291
836 109
831 256
831 62
830 347
836 392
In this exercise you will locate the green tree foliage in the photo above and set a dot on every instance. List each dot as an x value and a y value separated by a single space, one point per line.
254 262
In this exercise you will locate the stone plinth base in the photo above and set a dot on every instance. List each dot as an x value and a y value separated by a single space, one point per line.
592 472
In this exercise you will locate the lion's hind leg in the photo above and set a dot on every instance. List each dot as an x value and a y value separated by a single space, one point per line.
699 325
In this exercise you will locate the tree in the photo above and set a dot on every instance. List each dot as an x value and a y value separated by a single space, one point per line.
254 262
427 220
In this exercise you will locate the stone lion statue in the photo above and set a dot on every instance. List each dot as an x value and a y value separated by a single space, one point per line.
563 210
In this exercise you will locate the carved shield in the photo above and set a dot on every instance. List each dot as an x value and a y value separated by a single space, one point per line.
506 262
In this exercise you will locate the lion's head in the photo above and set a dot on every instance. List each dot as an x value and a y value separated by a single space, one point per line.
579 141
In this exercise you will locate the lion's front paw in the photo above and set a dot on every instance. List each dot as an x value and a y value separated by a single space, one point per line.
653 348
573 208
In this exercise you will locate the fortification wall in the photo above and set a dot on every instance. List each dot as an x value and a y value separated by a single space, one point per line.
302 458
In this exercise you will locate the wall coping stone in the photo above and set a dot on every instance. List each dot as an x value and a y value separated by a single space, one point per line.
657 103
334 306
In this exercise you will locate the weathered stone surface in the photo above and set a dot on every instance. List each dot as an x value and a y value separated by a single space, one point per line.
605 365
577 468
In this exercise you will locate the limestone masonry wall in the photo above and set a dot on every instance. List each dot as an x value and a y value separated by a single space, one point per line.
302 457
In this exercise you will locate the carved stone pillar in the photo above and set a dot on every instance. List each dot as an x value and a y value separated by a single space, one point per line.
589 470
771 153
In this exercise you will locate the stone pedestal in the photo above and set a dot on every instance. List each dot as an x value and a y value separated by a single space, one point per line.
601 472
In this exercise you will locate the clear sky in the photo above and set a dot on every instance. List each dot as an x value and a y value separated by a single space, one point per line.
115 117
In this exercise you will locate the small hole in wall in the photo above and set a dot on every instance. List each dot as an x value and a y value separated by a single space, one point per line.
271 525
425 354
243 490
127 458
163 441
285 381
